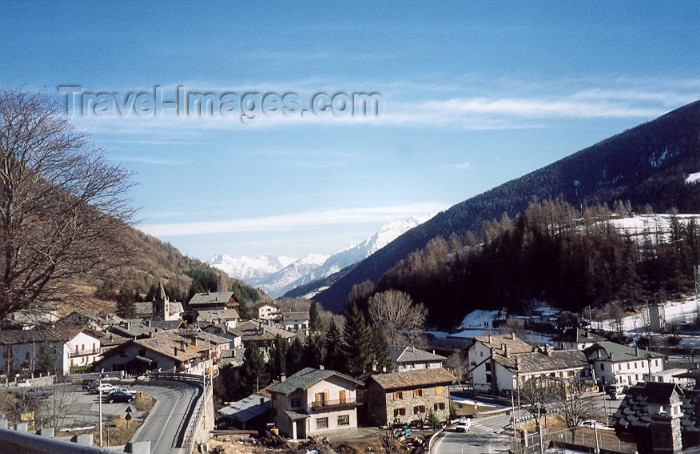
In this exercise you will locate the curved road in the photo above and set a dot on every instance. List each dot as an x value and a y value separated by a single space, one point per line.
168 416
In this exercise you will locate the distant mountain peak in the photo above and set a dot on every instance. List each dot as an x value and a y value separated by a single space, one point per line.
279 274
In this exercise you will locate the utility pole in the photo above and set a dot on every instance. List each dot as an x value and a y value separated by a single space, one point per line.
595 432
99 393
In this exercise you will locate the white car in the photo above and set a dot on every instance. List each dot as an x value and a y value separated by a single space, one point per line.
463 425
104 387
594 424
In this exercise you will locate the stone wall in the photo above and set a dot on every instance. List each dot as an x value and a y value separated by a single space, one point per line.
385 406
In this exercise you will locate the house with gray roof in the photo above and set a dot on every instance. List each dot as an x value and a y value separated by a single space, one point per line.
212 300
403 397
411 358
315 402
577 339
616 366
261 334
251 412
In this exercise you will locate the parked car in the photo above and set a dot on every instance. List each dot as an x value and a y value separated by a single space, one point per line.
38 392
104 387
594 424
119 396
87 383
122 390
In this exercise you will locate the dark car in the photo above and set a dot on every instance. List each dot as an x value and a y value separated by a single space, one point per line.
85 384
120 396
36 393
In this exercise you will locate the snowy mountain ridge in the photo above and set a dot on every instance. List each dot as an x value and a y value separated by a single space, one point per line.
279 274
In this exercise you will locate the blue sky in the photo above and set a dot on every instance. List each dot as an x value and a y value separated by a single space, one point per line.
474 95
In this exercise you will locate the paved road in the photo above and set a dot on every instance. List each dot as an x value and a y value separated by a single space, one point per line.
167 417
485 436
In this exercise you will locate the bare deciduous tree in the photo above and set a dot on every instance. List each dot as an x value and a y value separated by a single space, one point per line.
573 406
395 312
458 364
63 209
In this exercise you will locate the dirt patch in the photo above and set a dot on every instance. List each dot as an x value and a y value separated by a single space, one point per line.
144 402
231 447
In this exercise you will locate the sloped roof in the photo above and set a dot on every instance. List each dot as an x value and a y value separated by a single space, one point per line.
413 378
580 336
210 297
539 362
204 336
247 408
410 354
254 331
633 413
138 328
306 378
611 351
60 333
295 316
216 314
515 344
165 343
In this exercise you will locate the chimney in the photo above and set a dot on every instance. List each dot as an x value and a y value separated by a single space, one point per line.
195 341
489 339
512 335
175 350
283 377
384 369
636 351
413 348
507 350
321 366
262 401
148 323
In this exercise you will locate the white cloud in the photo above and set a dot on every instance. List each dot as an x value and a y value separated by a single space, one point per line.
285 222
144 160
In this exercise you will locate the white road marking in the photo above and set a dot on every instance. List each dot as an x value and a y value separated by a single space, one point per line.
177 399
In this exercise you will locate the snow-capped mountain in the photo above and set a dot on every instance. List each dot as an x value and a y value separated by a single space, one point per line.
279 274
278 283
249 269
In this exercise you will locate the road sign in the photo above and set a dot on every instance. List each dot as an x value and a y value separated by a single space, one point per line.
128 409
128 417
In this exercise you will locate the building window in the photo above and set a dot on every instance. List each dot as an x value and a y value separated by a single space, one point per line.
322 423
439 406
344 420
602 367
628 366
399 412
296 402
418 392
438 390
418 409
398 395
481 354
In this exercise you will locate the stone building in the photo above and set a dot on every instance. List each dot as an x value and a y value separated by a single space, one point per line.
659 417
402 397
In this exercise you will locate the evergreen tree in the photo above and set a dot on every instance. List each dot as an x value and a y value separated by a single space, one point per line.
295 355
334 345
357 348
314 350
381 358
254 374
315 322
278 357
125 304
245 311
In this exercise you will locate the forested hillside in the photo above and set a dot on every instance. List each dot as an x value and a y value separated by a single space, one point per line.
551 252
645 165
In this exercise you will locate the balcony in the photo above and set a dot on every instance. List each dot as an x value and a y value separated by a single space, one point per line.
83 353
333 405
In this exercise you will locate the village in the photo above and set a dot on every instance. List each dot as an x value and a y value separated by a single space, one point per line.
509 383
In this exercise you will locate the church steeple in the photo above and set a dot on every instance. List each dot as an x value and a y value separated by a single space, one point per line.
161 304
161 296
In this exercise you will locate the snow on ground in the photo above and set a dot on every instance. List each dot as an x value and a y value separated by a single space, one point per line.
693 178
465 401
479 318
650 224
676 311
472 333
